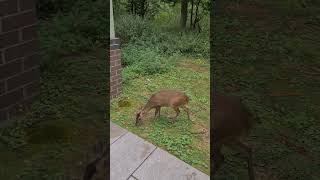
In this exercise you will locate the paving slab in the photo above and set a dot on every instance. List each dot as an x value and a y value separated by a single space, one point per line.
116 132
126 154
161 165
132 178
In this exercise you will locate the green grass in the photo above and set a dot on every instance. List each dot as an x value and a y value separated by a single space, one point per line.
55 136
266 49
192 77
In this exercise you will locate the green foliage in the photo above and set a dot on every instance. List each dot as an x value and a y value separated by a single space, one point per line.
149 48
143 8
277 65
60 125
130 27
143 62
177 144
47 8
145 33
177 137
81 29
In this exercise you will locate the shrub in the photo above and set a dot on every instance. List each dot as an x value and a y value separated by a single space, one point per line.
81 29
136 32
130 27
144 62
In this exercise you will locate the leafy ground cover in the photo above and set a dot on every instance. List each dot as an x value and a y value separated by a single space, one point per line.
57 133
157 55
188 140
268 53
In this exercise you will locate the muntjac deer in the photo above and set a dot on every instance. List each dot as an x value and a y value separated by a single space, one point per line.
231 122
165 98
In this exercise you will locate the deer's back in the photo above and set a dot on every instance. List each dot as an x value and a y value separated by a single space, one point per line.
169 98
231 117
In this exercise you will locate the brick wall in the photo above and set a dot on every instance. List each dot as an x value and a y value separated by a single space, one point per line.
19 58
115 68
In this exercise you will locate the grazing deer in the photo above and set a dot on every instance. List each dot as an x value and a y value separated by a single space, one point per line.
231 122
165 98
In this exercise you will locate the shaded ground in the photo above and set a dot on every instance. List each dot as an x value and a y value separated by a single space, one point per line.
188 140
269 54
56 136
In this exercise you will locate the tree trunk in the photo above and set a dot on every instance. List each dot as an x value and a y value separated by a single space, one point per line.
184 14
196 19
191 13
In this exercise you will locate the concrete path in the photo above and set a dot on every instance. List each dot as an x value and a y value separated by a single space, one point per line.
133 158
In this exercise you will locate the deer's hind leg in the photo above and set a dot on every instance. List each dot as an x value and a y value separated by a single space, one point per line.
238 145
186 109
157 112
177 113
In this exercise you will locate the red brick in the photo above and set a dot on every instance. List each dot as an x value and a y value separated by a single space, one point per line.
113 78
115 68
8 39
31 61
119 71
27 4
112 52
23 78
118 62
21 50
10 98
8 7
19 20
115 58
113 92
113 73
10 69
115 52
2 87
32 89
29 33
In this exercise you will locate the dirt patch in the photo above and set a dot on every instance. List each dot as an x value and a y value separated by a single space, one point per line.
195 67
201 130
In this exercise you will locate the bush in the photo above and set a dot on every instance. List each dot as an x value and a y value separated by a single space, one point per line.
136 32
83 28
144 62
130 27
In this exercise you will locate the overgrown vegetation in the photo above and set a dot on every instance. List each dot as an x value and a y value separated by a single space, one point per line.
268 54
158 54
52 139
153 46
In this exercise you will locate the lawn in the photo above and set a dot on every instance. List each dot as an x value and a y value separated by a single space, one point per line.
188 140
268 54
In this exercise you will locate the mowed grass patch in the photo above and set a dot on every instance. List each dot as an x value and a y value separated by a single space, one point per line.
188 140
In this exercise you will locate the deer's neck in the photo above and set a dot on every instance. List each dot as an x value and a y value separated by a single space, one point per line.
147 108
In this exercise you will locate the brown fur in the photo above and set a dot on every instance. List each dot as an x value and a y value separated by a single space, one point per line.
165 98
231 122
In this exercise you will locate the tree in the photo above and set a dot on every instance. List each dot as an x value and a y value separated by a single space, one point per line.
184 14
